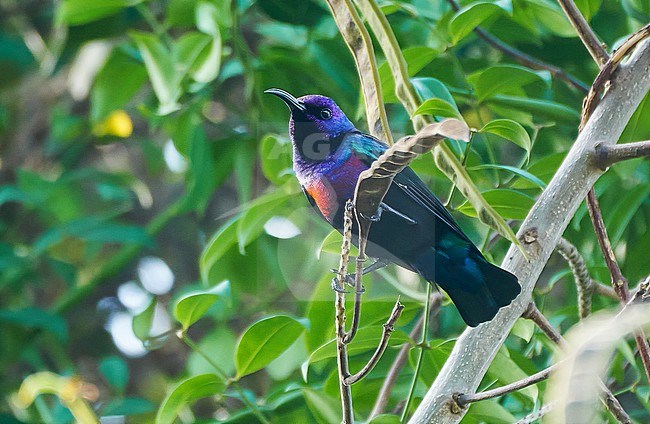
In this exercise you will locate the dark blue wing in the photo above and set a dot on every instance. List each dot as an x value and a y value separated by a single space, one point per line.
369 148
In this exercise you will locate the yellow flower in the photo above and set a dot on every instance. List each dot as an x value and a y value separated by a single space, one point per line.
117 124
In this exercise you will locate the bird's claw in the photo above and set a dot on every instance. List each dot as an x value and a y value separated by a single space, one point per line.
337 287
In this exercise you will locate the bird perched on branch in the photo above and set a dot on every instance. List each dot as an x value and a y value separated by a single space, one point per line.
414 230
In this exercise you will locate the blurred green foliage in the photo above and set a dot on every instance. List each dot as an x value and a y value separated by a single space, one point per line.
132 128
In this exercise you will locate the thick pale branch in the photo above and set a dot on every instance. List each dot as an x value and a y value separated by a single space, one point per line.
586 34
463 399
540 233
607 155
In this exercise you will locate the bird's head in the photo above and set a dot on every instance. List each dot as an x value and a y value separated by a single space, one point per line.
316 126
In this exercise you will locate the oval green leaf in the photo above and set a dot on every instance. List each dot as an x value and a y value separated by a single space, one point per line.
187 391
264 341
504 79
142 322
511 131
471 16
510 204
438 107
191 307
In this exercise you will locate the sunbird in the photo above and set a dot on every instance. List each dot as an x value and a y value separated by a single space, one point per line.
412 228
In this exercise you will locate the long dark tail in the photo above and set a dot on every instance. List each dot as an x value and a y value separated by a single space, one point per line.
477 288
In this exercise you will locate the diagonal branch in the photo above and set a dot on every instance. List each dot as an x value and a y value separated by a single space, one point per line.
548 218
523 58
463 399
586 34
607 155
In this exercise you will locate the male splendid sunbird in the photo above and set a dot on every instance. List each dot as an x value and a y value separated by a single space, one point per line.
414 230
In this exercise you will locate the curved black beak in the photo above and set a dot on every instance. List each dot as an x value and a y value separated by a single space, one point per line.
292 102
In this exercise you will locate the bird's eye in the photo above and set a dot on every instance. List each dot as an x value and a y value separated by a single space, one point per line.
325 113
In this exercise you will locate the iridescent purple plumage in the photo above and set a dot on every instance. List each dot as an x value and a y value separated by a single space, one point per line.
415 231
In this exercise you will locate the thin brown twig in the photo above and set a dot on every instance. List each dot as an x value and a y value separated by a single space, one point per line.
465 399
619 282
586 34
613 405
607 155
341 347
389 327
393 373
523 58
400 360
580 272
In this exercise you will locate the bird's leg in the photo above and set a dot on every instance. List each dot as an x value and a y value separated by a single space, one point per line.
336 283
349 278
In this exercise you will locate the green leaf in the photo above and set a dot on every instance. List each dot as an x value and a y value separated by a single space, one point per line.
510 130
165 79
115 372
214 250
128 406
433 360
438 107
431 88
264 341
332 244
79 12
187 49
516 171
504 79
35 318
541 108
473 15
416 58
551 16
588 8
385 419
324 408
506 371
524 329
259 211
186 392
191 307
489 411
209 62
626 208
143 321
544 169
104 98
637 128
509 204
201 178
276 158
